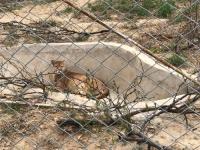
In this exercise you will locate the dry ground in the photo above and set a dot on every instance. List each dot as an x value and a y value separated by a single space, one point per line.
37 129
33 128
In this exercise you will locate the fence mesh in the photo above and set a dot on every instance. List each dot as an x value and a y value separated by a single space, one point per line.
75 76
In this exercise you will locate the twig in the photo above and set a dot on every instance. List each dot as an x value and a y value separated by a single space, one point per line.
39 30
141 138
4 100
166 108
155 114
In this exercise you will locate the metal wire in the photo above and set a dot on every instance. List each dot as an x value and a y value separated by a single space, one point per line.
145 53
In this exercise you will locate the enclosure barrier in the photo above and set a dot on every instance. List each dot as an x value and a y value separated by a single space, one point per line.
106 74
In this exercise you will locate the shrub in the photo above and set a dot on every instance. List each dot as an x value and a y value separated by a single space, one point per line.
67 10
166 8
130 7
176 60
156 50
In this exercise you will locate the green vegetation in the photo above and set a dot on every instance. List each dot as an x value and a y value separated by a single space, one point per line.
101 8
47 23
166 8
5 7
176 60
10 5
11 108
156 50
162 8
67 10
105 7
178 18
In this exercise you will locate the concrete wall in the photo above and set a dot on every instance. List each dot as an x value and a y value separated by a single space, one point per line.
108 61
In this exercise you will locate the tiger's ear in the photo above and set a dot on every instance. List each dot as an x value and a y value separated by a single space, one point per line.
52 62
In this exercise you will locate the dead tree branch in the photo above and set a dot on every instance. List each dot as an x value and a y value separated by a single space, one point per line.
38 29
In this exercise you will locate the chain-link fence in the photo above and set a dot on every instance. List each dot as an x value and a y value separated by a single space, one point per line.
99 74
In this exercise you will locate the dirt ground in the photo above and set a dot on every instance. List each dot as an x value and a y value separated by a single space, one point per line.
35 128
